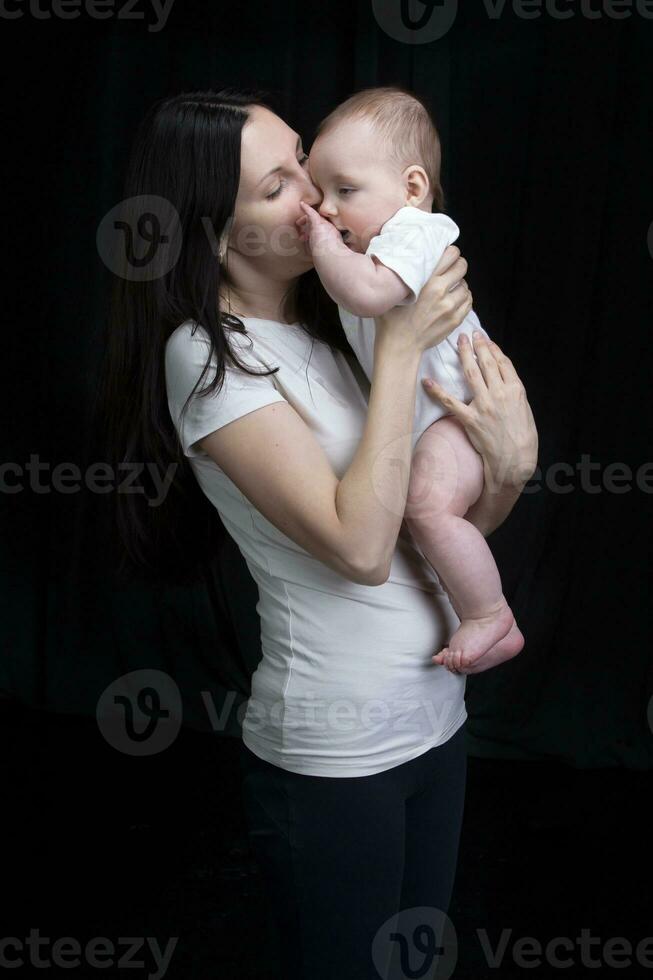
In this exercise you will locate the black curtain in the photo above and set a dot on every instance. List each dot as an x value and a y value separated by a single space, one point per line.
544 124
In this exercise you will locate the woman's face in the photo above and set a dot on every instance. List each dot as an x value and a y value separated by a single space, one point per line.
274 178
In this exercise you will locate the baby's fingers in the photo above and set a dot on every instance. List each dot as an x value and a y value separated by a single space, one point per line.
309 212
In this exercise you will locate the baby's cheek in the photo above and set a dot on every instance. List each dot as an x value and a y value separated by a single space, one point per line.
368 227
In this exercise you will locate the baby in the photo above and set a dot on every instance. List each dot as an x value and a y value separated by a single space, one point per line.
375 242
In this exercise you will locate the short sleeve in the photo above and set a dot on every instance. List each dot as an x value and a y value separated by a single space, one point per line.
411 243
186 354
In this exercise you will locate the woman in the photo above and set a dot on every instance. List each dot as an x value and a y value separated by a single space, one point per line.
353 741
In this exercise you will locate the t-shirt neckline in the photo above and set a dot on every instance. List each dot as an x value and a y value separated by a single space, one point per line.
263 319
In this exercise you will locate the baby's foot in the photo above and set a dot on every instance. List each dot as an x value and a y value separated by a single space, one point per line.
476 637
505 649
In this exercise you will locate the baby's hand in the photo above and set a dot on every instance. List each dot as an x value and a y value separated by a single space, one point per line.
321 235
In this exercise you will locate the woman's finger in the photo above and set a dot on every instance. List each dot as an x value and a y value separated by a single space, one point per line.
457 285
463 301
447 259
475 373
440 282
489 367
503 362
453 280
450 402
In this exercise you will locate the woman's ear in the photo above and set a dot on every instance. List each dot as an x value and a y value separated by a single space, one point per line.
224 240
416 184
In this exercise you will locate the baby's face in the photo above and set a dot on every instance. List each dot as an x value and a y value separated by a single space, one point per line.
360 188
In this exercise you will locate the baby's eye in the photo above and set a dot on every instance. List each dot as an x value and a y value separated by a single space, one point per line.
345 190
303 159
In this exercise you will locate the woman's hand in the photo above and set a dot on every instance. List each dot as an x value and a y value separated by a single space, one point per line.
498 421
442 305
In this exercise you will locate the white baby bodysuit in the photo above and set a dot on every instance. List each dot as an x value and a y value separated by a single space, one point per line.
411 243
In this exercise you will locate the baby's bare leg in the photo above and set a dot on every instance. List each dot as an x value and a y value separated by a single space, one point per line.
446 479
508 647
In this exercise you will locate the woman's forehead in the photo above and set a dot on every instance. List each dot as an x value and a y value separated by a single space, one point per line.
265 132
267 142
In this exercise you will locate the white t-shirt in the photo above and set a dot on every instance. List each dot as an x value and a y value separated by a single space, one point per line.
411 243
346 685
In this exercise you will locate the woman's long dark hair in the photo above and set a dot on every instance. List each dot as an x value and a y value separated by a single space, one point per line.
186 154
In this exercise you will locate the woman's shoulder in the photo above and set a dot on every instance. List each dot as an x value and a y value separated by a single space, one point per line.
190 334
190 331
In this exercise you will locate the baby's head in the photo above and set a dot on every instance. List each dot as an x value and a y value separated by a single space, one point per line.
375 153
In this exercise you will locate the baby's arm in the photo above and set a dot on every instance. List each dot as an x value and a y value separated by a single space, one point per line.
360 283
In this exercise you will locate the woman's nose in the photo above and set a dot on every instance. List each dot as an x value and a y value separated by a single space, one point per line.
311 195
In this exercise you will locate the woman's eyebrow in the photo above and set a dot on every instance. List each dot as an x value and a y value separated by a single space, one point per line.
275 170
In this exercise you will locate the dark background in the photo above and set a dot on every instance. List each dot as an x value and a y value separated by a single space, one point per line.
545 129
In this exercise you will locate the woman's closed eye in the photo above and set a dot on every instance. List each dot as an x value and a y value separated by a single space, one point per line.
303 160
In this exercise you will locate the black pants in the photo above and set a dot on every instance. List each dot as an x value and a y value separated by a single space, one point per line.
342 855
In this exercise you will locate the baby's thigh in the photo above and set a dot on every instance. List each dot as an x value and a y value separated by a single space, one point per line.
446 471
